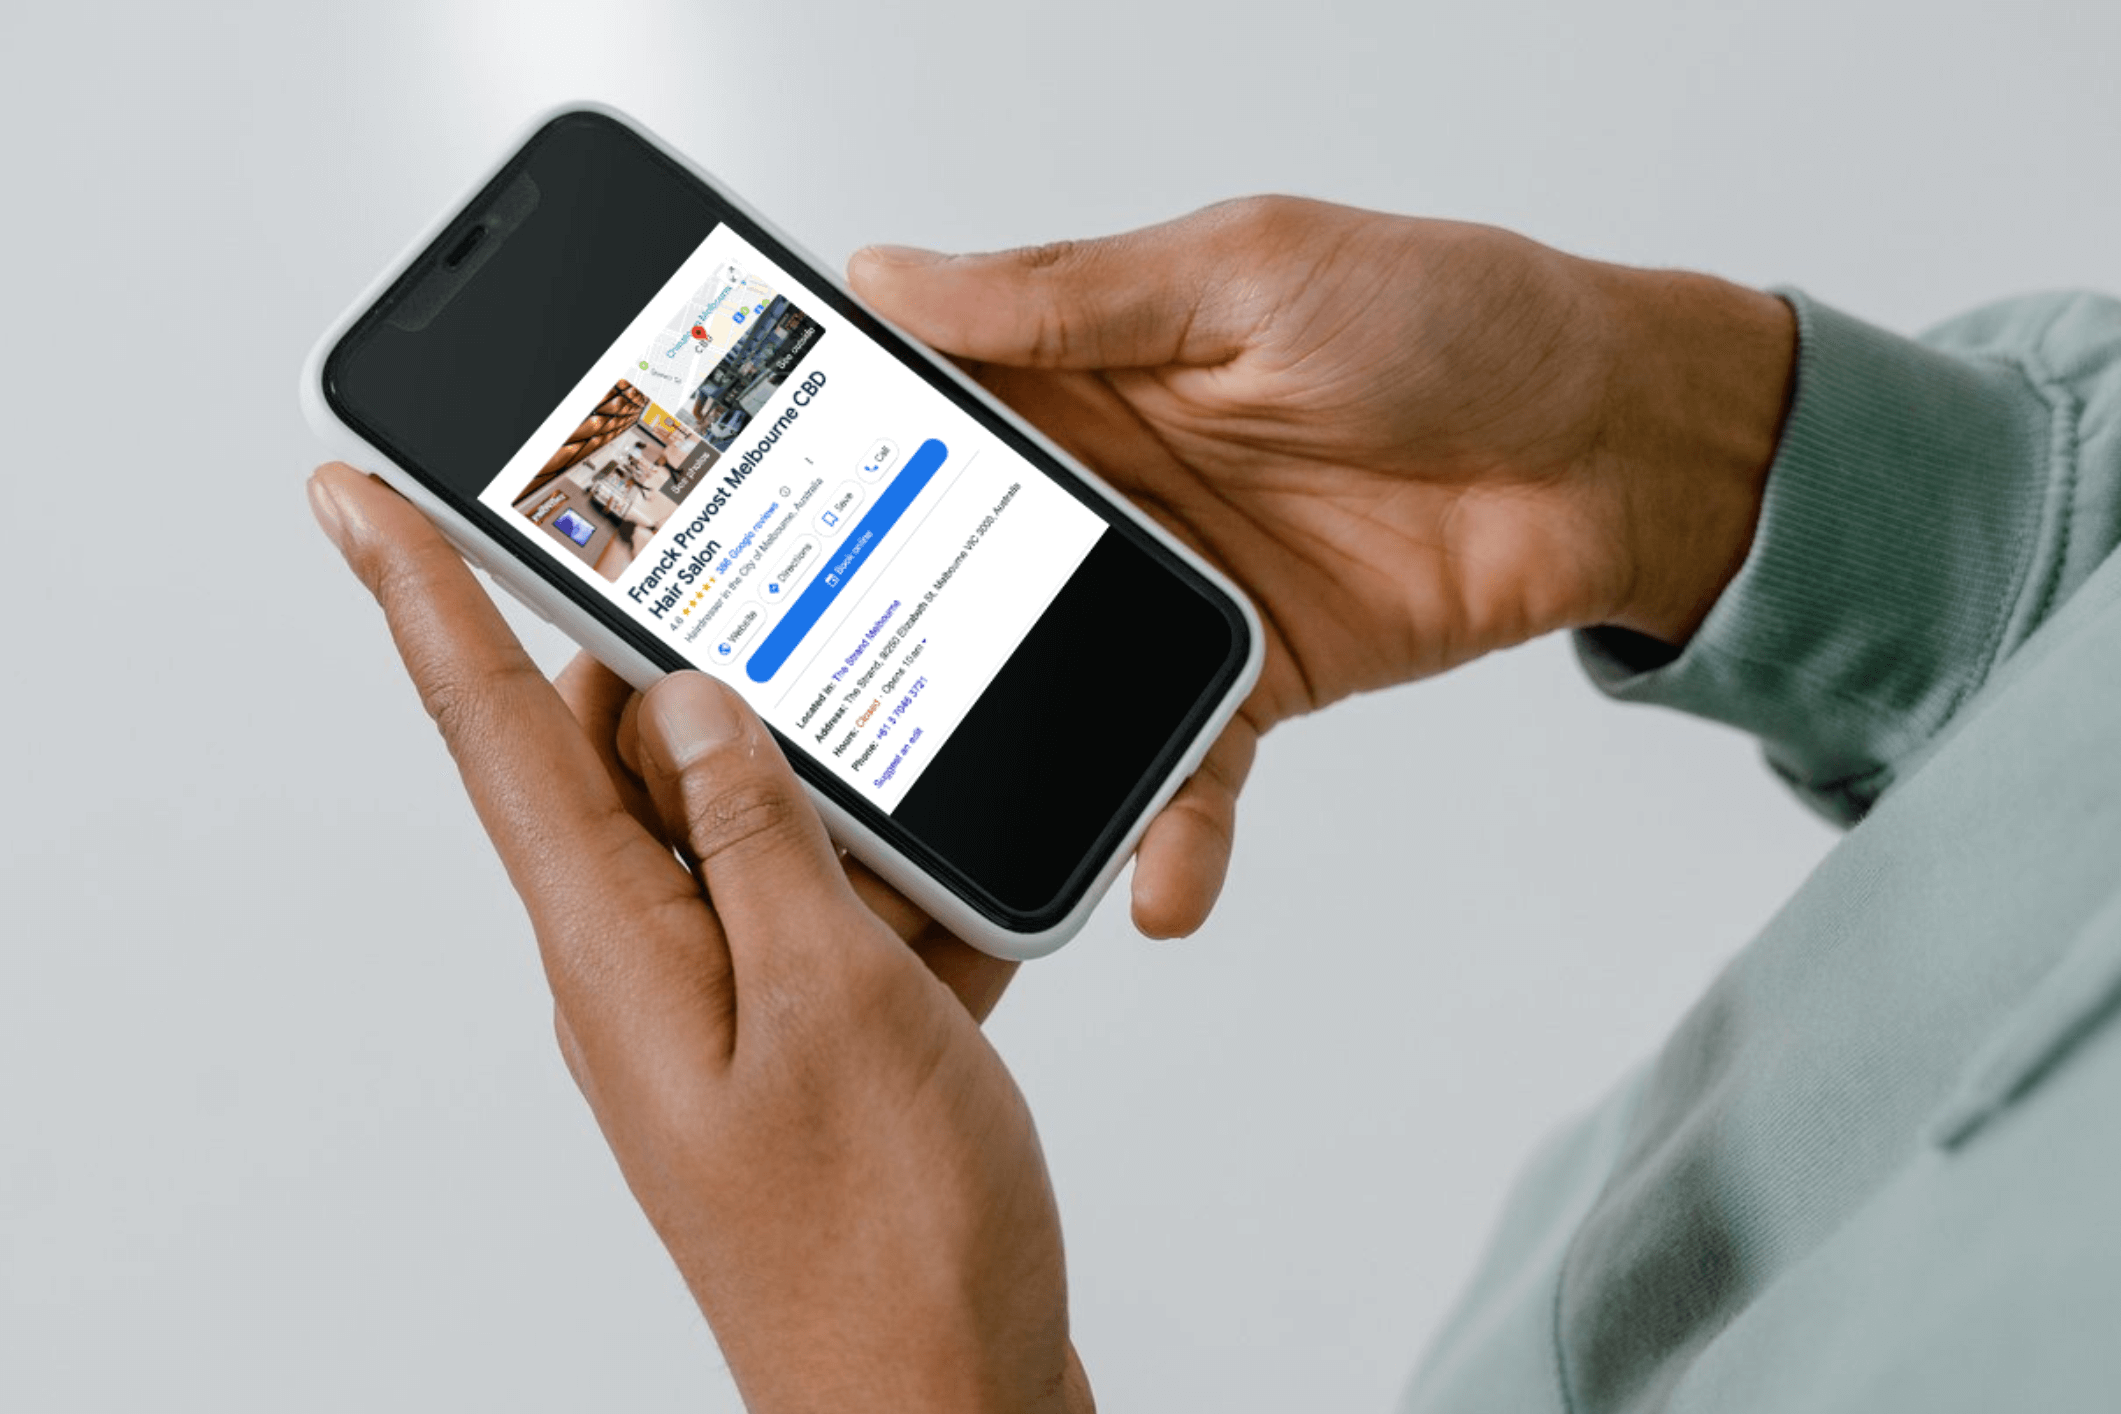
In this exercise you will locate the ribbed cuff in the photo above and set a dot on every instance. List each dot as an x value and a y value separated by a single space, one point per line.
1903 542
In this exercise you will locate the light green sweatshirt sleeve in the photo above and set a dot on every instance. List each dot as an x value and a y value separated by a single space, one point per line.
1931 504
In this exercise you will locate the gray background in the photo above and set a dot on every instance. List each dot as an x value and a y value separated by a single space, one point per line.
284 1125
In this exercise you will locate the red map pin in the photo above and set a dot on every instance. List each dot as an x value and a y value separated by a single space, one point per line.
699 331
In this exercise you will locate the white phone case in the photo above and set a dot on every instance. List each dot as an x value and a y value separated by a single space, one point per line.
502 566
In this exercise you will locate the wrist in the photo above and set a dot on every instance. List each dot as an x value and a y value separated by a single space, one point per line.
1698 386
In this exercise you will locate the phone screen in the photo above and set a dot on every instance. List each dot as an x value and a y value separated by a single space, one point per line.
947 630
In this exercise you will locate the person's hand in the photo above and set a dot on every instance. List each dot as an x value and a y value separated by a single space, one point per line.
844 1172
1411 442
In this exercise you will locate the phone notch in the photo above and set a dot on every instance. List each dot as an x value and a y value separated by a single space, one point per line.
465 247
463 253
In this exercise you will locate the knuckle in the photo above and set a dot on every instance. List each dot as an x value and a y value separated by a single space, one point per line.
1264 216
1049 254
570 1049
669 1120
1215 816
1246 210
1055 317
1050 339
867 971
727 817
809 1008
1225 769
452 703
464 706
398 574
374 563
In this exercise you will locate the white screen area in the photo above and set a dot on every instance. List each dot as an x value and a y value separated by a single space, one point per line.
763 487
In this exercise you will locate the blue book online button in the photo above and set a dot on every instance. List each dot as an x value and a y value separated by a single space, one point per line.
846 561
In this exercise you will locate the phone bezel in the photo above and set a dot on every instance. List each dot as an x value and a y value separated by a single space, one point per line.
1028 930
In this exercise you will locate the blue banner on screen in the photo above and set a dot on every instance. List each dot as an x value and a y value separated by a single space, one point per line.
802 616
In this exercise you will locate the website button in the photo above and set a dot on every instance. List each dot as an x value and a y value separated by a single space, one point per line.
749 618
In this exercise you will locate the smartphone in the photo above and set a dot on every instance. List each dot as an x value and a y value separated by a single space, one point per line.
655 420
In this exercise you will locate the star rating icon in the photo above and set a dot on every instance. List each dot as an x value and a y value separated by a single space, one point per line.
694 601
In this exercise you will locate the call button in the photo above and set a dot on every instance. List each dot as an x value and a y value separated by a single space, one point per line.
878 459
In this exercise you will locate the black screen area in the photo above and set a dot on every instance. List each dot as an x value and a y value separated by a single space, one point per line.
461 392
1094 701
456 367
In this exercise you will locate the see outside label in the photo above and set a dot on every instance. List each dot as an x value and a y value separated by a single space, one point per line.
794 511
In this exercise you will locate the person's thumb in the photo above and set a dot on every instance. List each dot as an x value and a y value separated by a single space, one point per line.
1183 292
725 792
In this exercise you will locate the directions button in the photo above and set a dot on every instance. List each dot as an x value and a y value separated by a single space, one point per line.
783 577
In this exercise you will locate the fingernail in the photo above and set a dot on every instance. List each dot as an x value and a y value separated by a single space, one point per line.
689 715
903 255
324 505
